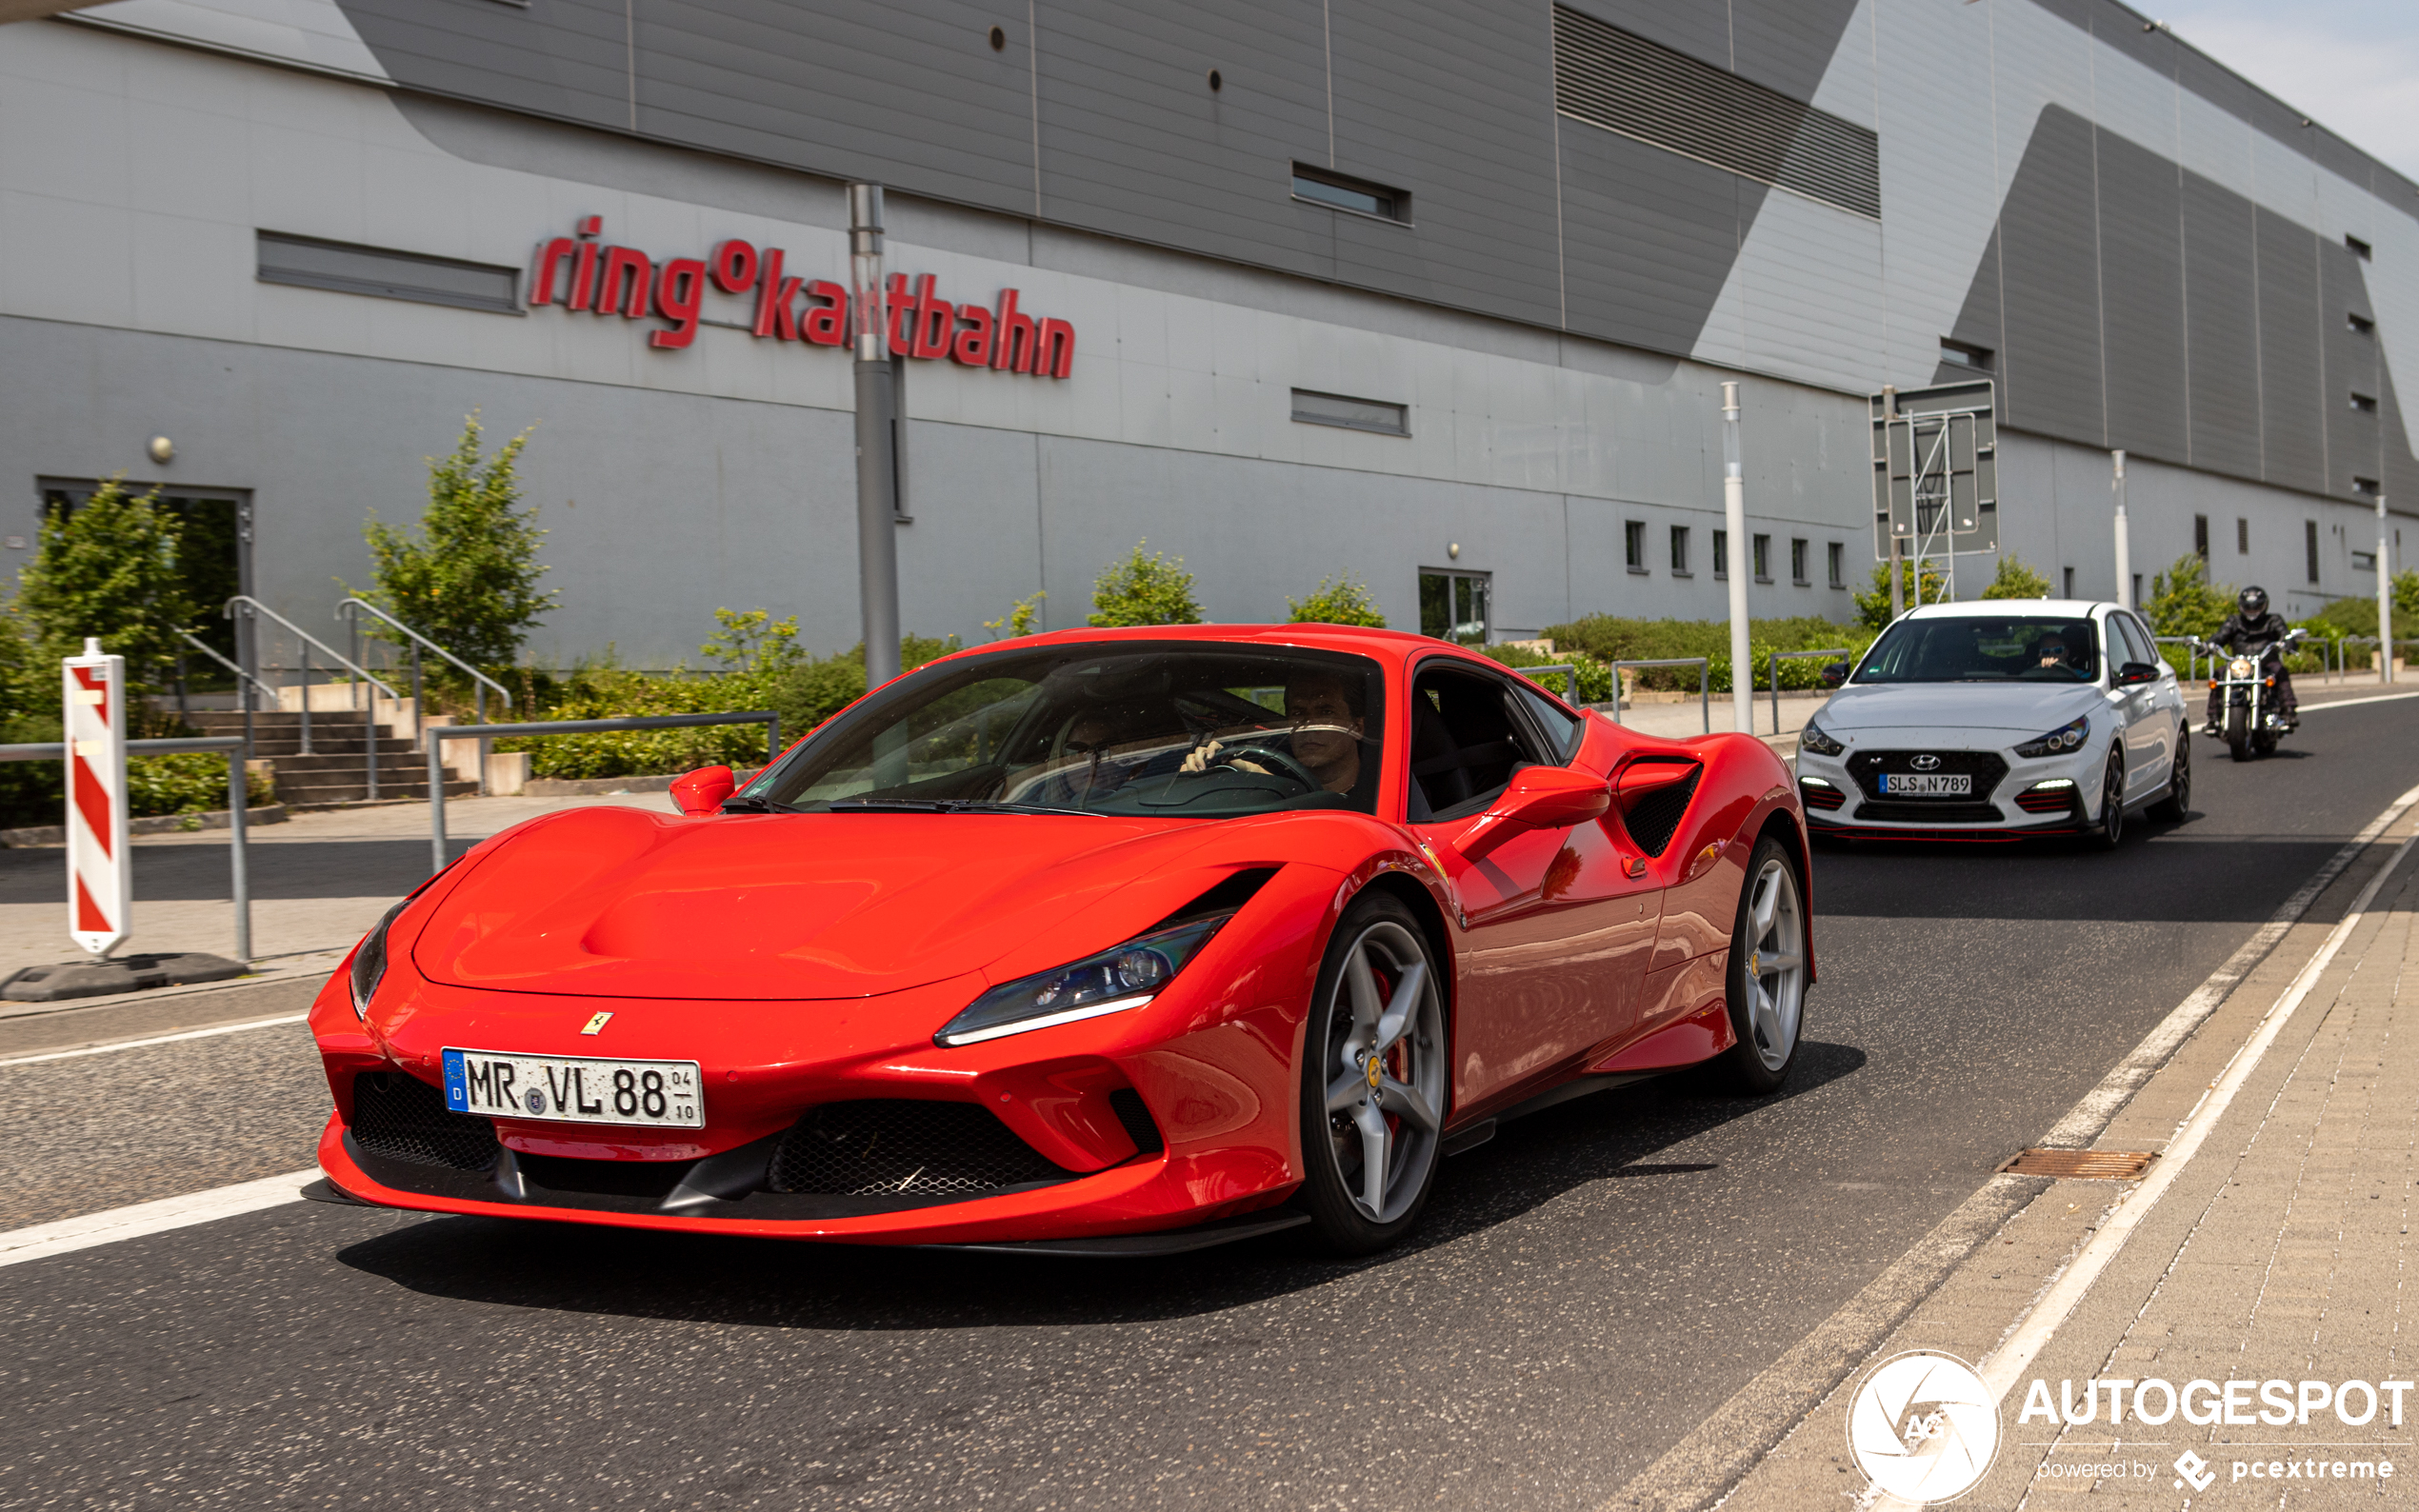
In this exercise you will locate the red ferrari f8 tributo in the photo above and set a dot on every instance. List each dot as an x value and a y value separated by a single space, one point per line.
1111 941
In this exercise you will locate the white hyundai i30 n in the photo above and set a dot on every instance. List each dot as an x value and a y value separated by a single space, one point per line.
1999 720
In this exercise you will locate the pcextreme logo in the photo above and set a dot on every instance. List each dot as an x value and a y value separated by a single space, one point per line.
1924 1428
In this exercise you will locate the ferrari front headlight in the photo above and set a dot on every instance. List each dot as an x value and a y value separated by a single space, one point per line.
1115 980
2058 741
370 960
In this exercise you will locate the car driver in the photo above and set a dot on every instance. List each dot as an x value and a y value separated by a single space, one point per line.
2050 653
1328 724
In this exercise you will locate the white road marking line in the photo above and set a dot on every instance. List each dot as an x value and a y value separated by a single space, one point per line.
2349 703
45 1240
2006 1364
158 1039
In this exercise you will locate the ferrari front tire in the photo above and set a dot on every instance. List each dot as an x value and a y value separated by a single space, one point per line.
1374 1080
1768 972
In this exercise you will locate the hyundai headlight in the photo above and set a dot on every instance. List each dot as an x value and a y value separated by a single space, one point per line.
1812 738
370 960
1115 980
2060 741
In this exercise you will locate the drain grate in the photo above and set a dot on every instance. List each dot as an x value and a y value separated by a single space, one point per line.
2082 1166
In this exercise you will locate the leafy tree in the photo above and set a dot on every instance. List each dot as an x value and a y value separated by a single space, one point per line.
754 646
2183 601
2014 580
1144 590
1019 618
1873 609
1337 601
106 568
469 581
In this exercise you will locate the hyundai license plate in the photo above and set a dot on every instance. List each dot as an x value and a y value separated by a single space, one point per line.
575 1088
1927 785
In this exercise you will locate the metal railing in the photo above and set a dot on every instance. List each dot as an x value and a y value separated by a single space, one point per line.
1569 678
234 747
1704 683
211 651
435 736
350 609
2192 646
255 608
1778 657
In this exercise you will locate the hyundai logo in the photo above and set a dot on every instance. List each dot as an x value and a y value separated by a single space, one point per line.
1926 764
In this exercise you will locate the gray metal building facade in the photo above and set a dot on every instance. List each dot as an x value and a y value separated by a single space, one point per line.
1573 223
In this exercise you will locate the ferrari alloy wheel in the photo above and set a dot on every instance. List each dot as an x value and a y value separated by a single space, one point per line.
2110 830
2177 805
1374 1092
1768 971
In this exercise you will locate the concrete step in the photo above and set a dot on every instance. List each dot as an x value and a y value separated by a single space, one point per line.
349 762
292 794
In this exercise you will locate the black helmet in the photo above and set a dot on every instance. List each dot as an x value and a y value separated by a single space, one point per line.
2253 601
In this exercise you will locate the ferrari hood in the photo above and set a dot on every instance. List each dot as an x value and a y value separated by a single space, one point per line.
624 903
2027 708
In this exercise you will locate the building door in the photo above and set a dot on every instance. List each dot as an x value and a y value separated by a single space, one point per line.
217 560
1454 606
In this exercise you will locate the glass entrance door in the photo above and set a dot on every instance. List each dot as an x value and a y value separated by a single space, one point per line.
1454 606
216 558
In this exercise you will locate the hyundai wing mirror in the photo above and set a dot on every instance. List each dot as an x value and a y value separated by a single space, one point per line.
701 792
1835 674
2134 673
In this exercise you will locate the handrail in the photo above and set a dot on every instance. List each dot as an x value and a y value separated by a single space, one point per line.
436 735
501 691
1704 671
235 749
211 651
1569 676
257 606
1778 657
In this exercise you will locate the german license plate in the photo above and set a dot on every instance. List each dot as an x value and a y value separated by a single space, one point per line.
1927 785
575 1088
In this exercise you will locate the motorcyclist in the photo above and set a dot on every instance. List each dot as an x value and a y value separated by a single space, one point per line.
2254 624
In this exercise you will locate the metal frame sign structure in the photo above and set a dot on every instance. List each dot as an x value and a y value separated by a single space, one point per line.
1935 454
100 875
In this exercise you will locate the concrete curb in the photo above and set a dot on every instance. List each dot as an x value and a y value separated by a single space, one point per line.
38 835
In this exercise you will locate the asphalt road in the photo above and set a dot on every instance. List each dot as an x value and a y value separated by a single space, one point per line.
1587 1288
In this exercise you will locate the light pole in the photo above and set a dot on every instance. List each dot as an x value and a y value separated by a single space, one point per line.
1734 518
2124 544
877 463
2384 600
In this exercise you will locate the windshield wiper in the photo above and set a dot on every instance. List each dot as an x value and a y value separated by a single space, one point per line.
752 804
947 805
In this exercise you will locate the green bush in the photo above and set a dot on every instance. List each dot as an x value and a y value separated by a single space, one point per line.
1872 607
1336 600
762 668
2012 580
469 581
108 568
1608 638
1144 590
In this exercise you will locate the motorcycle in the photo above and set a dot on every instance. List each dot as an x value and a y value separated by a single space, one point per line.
2248 719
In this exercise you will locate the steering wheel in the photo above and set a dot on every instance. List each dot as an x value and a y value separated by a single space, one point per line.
1264 751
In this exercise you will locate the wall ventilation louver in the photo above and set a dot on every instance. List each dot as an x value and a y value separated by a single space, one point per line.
1608 78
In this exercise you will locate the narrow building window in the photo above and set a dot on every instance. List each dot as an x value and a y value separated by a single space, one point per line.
2201 536
1352 414
2366 404
1965 354
2359 248
1680 551
348 268
2242 537
1721 555
1634 543
1360 196
1838 554
2361 325
2309 546
2069 583
1759 547
2366 487
1797 563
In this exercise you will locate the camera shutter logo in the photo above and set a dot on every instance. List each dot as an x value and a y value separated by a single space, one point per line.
1924 1428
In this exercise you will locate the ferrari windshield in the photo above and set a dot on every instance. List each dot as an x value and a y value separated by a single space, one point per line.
1180 731
1978 649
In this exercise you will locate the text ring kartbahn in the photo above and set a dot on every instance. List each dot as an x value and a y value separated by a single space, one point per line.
435 736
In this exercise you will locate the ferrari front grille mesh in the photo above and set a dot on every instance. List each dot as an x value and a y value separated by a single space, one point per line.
1135 1115
906 1146
405 1119
1654 818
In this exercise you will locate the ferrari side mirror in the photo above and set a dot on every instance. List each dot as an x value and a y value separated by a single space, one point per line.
1835 674
1539 798
702 791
